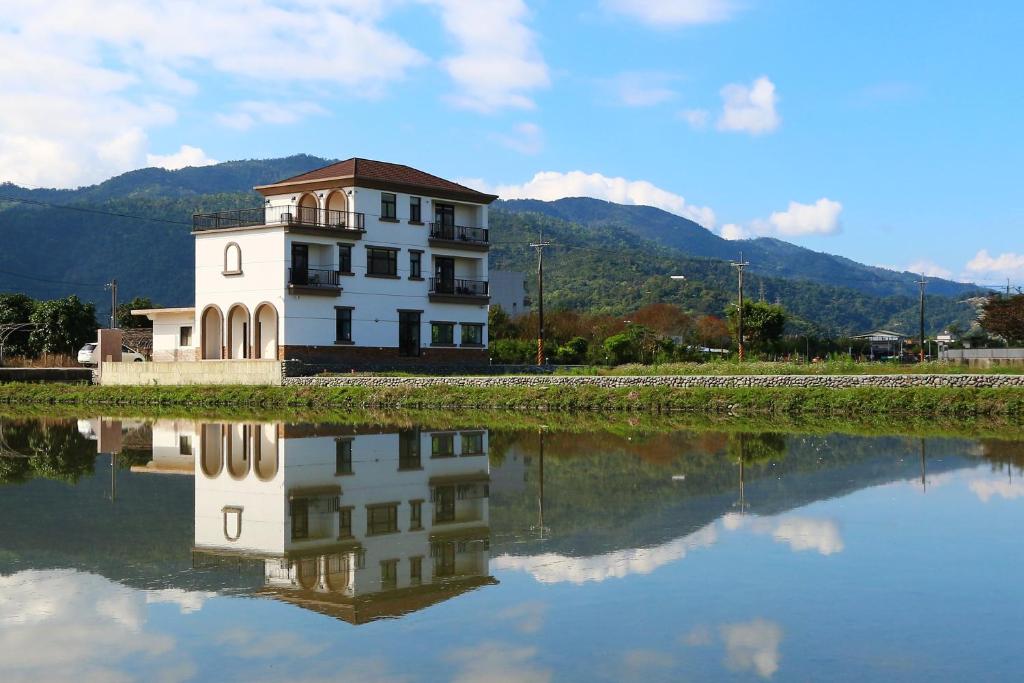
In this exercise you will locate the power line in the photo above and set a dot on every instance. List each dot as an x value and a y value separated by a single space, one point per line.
55 282
84 209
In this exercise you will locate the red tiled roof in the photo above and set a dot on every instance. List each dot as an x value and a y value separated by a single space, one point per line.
385 172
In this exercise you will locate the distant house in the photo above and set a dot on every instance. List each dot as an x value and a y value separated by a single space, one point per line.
883 343
508 290
358 263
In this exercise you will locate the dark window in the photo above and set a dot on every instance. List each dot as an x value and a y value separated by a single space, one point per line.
409 450
345 258
415 264
345 523
343 456
388 573
473 443
415 569
343 324
185 335
381 261
442 333
381 519
414 210
442 445
388 205
415 514
472 334
185 444
409 333
444 216
444 504
444 559
300 519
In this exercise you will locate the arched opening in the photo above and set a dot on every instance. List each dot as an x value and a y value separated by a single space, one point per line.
238 451
211 449
212 326
307 572
232 259
238 332
337 209
308 209
232 522
265 456
265 332
338 573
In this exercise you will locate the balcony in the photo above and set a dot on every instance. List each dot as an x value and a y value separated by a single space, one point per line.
460 236
316 281
349 223
454 290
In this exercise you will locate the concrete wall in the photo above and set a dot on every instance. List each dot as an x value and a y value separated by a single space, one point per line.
508 291
984 358
254 372
680 381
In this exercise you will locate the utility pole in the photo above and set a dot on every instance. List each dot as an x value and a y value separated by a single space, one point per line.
739 266
112 286
922 283
761 298
539 246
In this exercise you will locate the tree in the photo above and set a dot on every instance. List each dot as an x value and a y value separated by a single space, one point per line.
1004 316
62 325
126 320
712 331
666 319
763 323
16 309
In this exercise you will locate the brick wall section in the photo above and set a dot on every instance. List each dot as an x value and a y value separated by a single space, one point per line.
313 359
679 381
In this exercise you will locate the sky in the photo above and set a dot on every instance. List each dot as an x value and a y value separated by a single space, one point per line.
885 132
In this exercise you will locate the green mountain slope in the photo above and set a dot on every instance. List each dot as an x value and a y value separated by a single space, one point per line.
609 258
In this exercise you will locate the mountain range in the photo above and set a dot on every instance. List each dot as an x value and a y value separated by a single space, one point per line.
606 257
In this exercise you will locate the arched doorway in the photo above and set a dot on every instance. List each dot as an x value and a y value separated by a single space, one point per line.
265 457
308 209
337 209
212 326
238 450
211 450
265 332
238 332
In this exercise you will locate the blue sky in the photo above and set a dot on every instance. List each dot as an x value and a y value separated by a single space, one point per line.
885 132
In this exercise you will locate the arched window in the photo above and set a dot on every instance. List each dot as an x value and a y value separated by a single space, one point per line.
232 522
232 259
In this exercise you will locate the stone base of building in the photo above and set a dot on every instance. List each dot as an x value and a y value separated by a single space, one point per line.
313 359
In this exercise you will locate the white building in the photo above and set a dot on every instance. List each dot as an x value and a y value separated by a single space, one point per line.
357 263
508 290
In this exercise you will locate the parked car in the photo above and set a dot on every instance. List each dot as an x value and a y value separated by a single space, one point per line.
87 355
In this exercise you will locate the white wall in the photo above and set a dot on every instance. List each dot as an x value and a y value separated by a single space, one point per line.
167 335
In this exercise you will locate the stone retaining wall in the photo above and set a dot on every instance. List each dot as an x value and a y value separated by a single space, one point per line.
679 381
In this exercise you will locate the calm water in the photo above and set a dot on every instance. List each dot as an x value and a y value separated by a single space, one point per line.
318 552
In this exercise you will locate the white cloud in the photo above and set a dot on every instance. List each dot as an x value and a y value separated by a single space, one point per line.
247 114
529 615
696 118
94 630
187 155
753 646
986 489
799 533
929 269
526 138
1007 264
555 568
551 185
499 63
749 109
819 218
675 12
641 88
82 90
494 662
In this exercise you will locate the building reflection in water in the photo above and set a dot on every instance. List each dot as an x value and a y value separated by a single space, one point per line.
352 523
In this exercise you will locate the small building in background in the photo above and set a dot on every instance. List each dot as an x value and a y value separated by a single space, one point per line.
883 343
508 290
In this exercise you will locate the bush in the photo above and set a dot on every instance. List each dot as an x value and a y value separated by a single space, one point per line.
513 352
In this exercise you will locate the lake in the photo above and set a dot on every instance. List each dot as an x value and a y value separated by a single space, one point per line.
179 550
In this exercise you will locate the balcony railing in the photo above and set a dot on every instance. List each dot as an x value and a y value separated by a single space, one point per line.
313 277
279 215
457 287
458 233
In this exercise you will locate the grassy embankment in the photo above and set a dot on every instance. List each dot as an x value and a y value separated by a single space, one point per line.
840 366
879 405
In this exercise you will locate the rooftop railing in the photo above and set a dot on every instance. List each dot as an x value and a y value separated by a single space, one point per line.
305 216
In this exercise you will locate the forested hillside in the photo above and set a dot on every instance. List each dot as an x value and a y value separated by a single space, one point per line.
607 258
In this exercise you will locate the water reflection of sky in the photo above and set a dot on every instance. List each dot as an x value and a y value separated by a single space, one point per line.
890 580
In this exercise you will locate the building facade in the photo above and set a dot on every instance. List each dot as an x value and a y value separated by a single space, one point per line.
355 264
508 290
